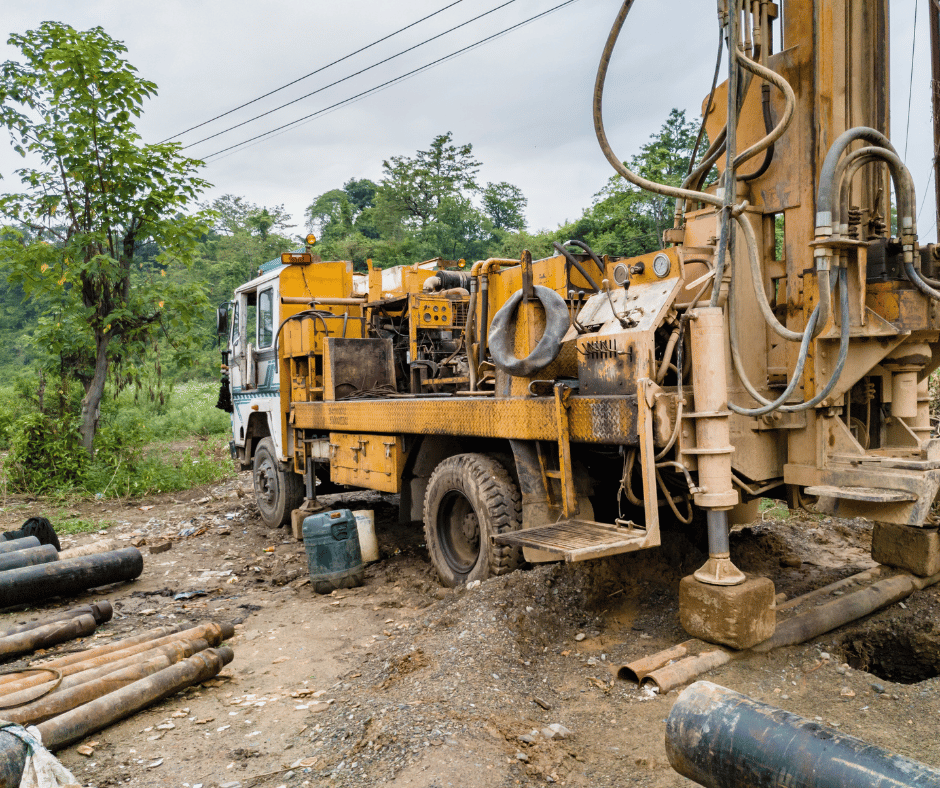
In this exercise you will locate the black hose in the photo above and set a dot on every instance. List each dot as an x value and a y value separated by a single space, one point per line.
768 127
583 246
573 261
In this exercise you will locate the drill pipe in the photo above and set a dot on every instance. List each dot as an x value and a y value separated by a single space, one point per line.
61 701
722 739
31 584
30 556
73 725
92 548
76 663
172 652
19 544
48 635
101 610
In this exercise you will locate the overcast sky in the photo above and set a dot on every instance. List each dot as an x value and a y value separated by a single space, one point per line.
522 100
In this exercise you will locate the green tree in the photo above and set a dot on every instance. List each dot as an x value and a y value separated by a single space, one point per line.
627 220
505 204
94 197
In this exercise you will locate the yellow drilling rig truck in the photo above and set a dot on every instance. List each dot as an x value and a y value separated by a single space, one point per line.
561 409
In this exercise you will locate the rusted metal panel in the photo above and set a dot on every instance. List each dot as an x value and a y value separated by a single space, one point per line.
354 365
366 460
610 420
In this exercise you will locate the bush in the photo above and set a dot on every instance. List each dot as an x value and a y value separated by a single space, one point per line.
45 454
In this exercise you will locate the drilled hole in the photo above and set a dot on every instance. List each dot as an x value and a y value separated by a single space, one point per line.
902 657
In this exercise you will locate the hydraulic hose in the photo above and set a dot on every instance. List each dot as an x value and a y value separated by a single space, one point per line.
619 166
753 256
827 183
573 261
903 185
801 360
589 251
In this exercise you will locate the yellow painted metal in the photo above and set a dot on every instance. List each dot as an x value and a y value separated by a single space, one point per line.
366 460
610 420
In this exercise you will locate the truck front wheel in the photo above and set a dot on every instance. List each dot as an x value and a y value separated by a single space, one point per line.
277 492
470 499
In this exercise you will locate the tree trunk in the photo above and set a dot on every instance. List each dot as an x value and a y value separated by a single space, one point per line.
91 403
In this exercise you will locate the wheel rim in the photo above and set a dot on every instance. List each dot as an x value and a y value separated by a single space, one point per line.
266 479
458 529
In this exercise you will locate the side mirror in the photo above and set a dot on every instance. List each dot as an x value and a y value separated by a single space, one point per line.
221 320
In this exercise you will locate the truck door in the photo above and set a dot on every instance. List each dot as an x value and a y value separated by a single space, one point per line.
264 355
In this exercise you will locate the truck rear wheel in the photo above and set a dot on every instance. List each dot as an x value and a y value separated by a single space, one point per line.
277 492
470 499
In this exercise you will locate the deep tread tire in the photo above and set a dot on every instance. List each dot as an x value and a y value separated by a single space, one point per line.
467 494
277 492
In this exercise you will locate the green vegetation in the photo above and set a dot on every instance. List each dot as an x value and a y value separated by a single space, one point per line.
110 271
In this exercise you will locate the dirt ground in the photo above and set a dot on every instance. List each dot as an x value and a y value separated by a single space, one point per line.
404 683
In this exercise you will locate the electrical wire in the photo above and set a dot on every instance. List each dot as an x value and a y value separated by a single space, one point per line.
317 71
393 81
350 76
910 87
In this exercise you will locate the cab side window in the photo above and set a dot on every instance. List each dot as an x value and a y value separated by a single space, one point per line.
265 318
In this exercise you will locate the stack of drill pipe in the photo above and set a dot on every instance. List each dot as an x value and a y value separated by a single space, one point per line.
55 629
32 584
101 686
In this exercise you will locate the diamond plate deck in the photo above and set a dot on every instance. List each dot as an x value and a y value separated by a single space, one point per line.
580 540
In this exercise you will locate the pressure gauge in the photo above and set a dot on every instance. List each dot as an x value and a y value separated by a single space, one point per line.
661 265
621 274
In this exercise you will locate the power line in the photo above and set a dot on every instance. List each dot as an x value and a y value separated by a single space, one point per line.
910 89
322 68
346 78
390 82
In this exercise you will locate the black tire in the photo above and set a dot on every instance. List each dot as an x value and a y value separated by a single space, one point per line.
277 492
471 498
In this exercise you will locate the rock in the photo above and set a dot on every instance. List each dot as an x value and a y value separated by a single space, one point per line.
580 636
84 749
879 688
160 547
791 562
847 692
440 593
139 541
592 661
543 703
521 756
556 731
525 738
824 655
473 584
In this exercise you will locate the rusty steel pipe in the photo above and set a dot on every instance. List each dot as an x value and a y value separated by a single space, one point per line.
92 548
80 656
73 725
63 700
75 663
30 556
850 607
32 584
19 544
172 652
722 739
639 669
683 671
48 635
101 610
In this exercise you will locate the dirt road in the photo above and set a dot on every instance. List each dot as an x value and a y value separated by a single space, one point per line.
404 683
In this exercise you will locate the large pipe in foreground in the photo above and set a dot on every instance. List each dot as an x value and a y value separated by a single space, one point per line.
722 739
67 728
101 610
31 584
49 635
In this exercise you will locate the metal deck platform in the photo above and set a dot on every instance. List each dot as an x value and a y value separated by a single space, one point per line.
868 494
580 540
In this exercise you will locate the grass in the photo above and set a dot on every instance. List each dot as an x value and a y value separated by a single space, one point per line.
145 445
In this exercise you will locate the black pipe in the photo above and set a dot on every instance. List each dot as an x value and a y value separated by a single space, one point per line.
573 261
28 557
452 279
722 739
19 544
31 584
